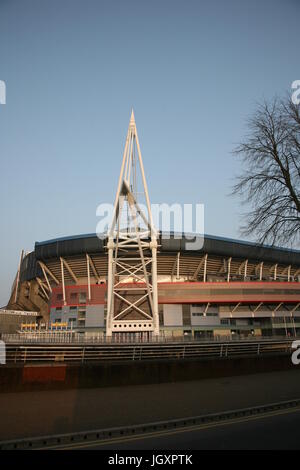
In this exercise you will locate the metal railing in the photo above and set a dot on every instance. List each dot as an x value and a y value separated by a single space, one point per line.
70 353
64 337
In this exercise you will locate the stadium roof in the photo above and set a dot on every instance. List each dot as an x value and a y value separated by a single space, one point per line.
171 242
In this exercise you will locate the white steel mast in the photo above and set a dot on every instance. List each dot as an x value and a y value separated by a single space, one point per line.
132 300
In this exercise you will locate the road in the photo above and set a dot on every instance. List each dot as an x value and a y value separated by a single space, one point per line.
274 431
29 414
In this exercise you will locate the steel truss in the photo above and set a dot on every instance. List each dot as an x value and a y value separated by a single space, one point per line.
132 301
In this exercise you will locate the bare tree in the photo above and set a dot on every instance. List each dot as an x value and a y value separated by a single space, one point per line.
270 180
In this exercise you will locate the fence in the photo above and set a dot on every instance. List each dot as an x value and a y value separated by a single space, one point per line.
70 353
72 337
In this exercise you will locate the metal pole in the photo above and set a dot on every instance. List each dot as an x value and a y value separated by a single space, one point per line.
205 268
154 287
109 313
63 280
89 277
18 275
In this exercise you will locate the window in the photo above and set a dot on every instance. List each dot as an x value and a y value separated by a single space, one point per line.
73 296
197 314
73 309
59 297
82 297
81 315
58 309
186 315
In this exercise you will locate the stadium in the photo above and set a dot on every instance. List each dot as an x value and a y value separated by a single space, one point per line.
139 283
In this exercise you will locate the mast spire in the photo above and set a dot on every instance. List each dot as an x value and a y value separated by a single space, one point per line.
132 300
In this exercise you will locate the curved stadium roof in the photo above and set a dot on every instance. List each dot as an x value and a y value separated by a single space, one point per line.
170 242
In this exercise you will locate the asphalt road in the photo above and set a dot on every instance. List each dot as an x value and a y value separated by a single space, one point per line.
29 414
274 431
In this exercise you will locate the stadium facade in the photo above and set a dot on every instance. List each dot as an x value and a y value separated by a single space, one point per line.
159 286
227 287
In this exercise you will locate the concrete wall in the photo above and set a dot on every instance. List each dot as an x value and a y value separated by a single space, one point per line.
14 378
177 318
11 322
172 315
94 316
29 298
205 321
199 319
62 315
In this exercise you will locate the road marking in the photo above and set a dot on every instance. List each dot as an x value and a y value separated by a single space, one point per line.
149 435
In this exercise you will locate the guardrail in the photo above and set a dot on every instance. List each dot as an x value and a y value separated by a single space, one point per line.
33 353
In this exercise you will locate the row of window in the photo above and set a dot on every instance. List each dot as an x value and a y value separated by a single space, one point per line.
70 320
201 314
130 325
81 296
72 309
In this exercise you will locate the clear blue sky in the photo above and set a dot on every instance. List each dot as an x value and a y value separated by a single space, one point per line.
193 71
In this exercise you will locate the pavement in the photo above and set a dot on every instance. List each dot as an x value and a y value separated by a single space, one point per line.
29 414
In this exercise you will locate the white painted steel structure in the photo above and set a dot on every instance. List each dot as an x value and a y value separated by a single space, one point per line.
132 250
